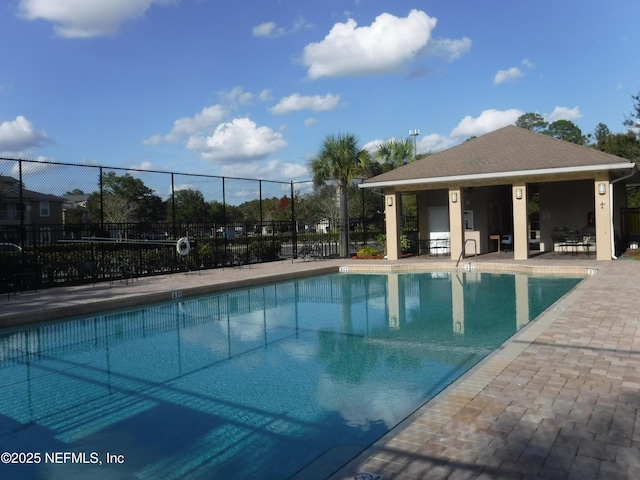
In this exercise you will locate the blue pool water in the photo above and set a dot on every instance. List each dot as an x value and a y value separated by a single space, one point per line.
255 383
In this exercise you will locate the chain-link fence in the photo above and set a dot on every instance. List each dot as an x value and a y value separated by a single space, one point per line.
69 224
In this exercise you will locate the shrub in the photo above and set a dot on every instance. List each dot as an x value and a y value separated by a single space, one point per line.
367 252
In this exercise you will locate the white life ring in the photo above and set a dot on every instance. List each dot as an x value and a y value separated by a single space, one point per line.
183 247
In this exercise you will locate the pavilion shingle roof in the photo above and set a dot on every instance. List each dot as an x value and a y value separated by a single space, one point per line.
509 149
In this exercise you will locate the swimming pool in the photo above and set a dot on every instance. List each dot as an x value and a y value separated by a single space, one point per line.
285 380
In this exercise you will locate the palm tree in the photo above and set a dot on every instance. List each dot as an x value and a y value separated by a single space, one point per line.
341 160
395 153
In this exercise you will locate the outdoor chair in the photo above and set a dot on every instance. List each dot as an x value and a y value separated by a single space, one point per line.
506 242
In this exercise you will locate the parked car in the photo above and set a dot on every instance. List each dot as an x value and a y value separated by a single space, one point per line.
10 247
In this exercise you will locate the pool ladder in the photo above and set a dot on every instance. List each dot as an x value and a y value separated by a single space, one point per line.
469 266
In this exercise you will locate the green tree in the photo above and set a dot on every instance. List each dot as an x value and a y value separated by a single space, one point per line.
217 212
125 199
532 121
632 122
341 160
250 210
394 153
565 130
319 205
190 206
625 145
74 215
601 134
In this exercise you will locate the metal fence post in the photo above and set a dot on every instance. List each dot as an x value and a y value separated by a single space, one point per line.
22 205
173 208
294 237
101 186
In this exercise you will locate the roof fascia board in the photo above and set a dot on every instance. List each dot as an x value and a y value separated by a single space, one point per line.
481 176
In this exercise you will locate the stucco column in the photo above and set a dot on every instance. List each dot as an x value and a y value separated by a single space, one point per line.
603 218
456 222
393 214
520 222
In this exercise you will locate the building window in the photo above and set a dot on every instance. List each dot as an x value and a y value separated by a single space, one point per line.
9 211
44 209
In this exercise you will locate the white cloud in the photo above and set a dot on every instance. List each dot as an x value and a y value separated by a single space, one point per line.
84 19
272 170
563 113
271 29
39 165
297 102
184 186
267 29
383 47
435 142
146 165
512 73
310 121
528 63
237 96
239 139
449 49
188 126
373 145
265 95
507 75
488 121
426 144
19 135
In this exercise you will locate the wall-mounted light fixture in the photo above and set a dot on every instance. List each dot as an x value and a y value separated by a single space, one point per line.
519 193
602 188
454 197
390 201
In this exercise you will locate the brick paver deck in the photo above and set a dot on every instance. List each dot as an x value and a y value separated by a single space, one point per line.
561 400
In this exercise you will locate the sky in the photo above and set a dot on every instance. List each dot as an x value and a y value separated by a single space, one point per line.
251 89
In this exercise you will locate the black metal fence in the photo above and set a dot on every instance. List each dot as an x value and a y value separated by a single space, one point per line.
63 224
630 228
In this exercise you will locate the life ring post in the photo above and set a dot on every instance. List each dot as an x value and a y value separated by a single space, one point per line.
183 247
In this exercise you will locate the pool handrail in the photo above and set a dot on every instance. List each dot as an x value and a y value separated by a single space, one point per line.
464 249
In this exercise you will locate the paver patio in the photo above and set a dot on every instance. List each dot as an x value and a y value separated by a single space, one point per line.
561 400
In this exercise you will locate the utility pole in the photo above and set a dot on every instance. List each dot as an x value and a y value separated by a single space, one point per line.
414 134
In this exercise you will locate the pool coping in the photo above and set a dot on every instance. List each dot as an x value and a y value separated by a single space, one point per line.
128 300
65 302
536 269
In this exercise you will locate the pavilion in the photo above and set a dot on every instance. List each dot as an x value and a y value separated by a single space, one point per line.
510 188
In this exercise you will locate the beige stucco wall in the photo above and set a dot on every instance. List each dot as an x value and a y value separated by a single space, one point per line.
520 221
456 221
393 215
603 218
